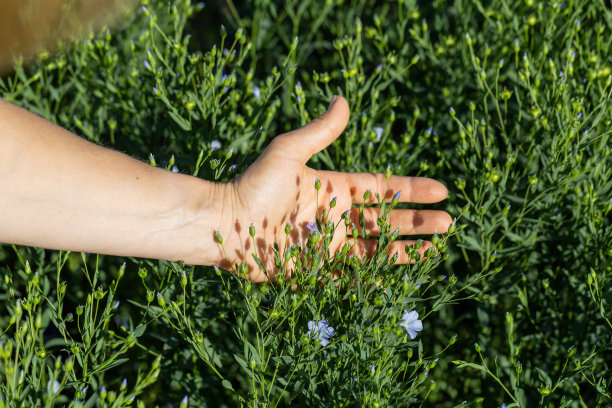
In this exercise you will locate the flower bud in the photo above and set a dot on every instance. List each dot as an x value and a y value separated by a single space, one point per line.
69 364
317 184
218 237
252 230
161 300
183 279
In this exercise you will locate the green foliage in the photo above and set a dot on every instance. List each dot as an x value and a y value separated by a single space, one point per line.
508 103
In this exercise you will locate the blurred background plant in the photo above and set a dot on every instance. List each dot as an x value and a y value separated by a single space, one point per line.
507 103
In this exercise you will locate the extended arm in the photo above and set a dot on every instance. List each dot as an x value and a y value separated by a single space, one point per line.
60 191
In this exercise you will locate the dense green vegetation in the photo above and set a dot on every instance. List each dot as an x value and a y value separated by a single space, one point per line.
507 103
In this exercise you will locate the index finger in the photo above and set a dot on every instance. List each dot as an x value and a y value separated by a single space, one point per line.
411 189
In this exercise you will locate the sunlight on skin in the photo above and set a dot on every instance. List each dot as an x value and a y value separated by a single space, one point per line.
60 191
279 188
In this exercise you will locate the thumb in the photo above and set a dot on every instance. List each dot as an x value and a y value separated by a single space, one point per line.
310 139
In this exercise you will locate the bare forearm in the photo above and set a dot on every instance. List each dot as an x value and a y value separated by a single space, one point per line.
59 191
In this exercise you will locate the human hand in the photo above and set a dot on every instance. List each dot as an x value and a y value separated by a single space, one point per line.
279 188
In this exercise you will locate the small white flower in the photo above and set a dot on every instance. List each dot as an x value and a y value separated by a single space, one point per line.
412 324
379 131
256 92
55 387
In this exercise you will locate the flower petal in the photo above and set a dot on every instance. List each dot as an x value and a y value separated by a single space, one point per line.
416 325
413 315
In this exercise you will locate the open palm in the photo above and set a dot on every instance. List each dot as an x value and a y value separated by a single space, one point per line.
279 188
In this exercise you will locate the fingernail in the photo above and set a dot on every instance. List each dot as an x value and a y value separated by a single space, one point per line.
332 102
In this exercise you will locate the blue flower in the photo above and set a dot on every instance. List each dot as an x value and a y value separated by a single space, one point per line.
322 330
412 324
175 169
116 305
397 195
312 227
256 92
215 144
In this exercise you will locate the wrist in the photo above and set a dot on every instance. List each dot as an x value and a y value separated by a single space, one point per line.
206 209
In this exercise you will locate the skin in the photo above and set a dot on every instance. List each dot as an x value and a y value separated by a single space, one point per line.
59 191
